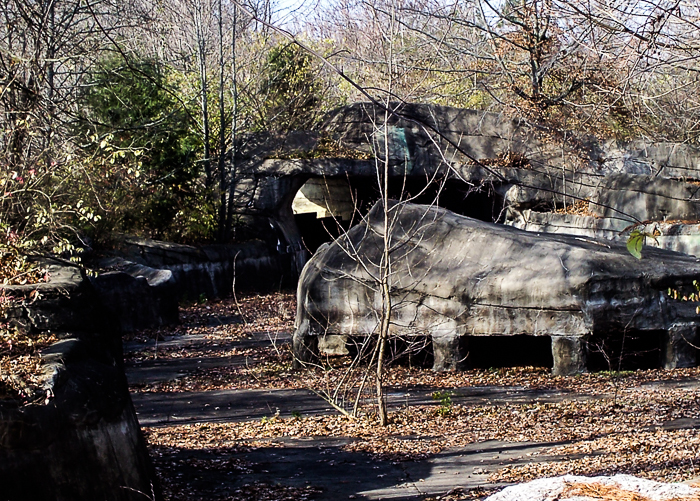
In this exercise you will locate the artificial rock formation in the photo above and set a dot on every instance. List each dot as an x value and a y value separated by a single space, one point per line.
81 440
189 272
579 488
618 202
453 277
528 171
77 436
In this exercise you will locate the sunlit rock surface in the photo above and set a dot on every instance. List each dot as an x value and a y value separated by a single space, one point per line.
454 277
612 488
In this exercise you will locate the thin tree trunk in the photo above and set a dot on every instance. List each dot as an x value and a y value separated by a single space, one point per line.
234 137
51 52
385 271
222 134
204 89
385 264
383 337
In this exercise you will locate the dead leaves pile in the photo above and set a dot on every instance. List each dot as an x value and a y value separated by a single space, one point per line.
264 367
536 378
659 455
181 477
610 493
214 325
271 368
459 494
20 376
267 492
579 208
628 438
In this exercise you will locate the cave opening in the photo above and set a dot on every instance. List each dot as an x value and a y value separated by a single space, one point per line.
482 203
625 350
326 207
484 352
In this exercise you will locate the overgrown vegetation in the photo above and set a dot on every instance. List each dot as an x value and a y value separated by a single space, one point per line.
118 117
133 114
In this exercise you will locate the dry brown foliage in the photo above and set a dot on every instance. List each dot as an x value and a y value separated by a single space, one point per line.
607 423
611 493
580 208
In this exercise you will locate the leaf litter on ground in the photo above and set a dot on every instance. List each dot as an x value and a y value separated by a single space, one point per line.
621 430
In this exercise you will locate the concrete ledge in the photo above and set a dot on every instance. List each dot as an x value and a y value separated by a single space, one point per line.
72 303
81 440
209 270
675 236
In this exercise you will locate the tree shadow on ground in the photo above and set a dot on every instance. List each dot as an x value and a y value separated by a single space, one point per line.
321 471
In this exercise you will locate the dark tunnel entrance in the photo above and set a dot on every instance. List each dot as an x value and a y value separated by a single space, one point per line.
481 203
486 352
325 207
625 350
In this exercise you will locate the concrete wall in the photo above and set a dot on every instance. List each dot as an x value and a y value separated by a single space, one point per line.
211 270
79 438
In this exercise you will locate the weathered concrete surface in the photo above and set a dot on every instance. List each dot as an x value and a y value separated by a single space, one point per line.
675 235
138 297
80 440
646 198
621 486
70 302
674 213
77 438
325 198
66 303
453 276
569 354
528 165
210 270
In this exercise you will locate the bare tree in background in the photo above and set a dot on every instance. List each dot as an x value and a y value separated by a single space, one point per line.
47 48
348 388
212 44
615 68
377 249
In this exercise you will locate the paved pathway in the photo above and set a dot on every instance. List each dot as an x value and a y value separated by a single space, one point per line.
322 462
159 408
156 408
348 475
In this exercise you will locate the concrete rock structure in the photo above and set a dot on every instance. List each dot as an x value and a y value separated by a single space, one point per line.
579 488
188 272
456 279
494 169
78 438
483 165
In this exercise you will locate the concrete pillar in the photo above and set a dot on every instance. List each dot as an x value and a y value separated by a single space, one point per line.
569 354
295 246
678 349
304 350
449 352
